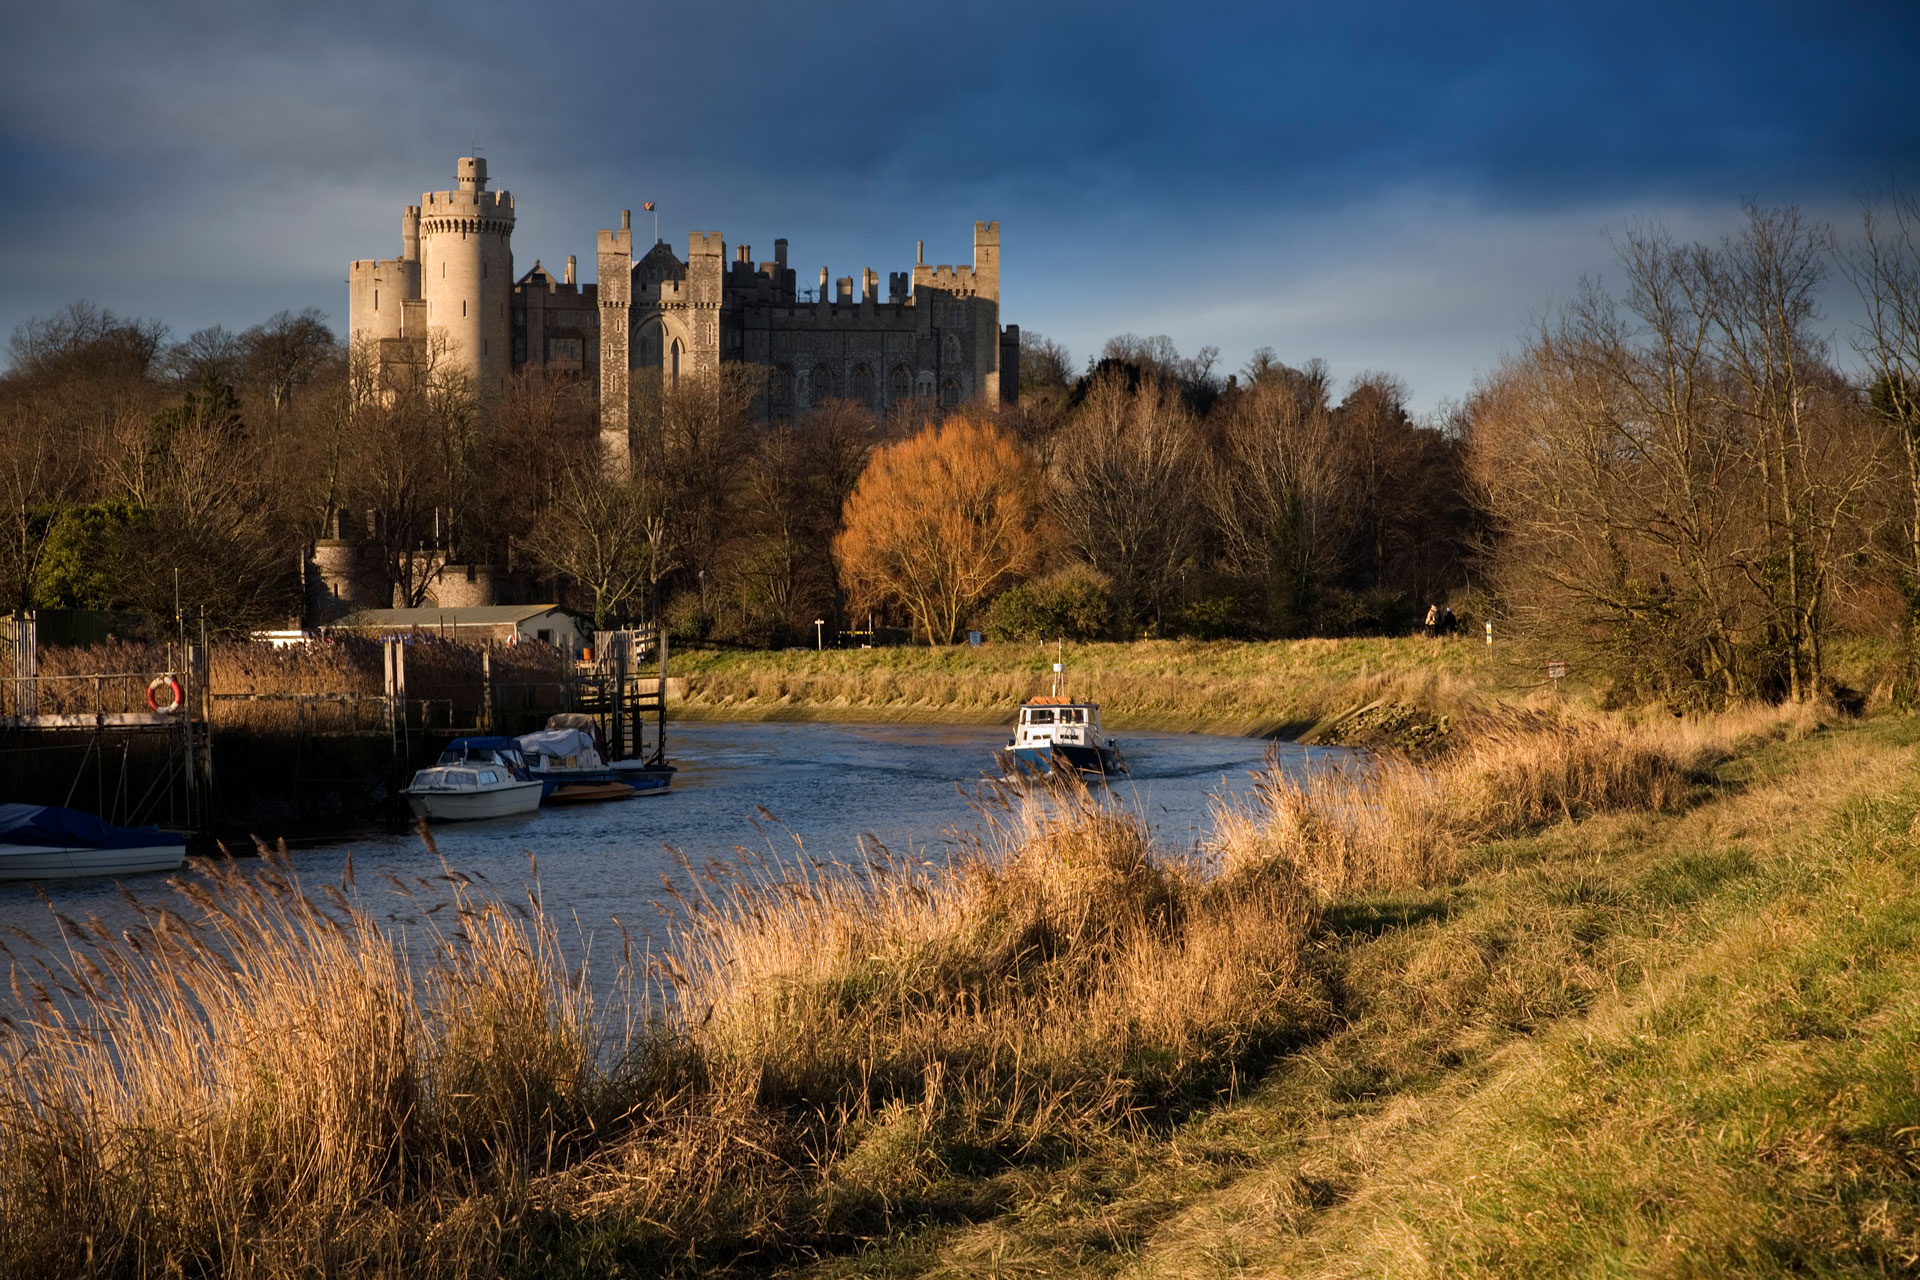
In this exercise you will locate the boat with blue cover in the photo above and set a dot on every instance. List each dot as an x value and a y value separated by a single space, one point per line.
47 842
570 755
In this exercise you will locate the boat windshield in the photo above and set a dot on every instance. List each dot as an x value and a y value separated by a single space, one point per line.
1040 716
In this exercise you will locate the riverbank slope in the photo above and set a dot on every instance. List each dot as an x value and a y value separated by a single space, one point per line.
1667 1041
1281 688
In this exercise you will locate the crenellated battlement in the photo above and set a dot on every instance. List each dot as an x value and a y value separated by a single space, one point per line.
962 281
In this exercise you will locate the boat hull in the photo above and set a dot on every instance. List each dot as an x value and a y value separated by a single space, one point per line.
40 862
590 793
461 806
1067 758
643 779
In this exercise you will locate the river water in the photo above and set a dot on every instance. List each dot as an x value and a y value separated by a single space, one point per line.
834 790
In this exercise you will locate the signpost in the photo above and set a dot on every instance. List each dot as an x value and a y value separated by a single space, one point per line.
1556 672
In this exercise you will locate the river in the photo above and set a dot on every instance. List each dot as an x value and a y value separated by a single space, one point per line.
833 789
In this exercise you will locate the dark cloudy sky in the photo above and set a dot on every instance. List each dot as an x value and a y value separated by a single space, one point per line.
1393 186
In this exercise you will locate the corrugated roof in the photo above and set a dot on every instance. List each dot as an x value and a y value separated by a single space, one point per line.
485 615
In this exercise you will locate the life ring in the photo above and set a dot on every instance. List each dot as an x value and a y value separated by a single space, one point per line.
169 683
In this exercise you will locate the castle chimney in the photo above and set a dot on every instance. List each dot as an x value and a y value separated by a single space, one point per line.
822 295
626 219
743 253
919 253
780 252
570 268
843 290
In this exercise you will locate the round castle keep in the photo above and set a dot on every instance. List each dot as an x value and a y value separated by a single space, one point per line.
466 273
446 301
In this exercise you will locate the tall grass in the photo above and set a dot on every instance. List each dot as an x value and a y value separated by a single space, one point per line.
258 1082
1391 822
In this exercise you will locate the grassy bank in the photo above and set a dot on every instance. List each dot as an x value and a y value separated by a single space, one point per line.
1594 995
1230 687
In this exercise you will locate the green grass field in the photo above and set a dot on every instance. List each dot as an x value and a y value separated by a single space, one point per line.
1193 686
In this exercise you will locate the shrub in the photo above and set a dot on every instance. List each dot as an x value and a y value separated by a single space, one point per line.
1075 603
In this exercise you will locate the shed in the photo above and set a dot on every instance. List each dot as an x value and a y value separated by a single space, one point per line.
500 623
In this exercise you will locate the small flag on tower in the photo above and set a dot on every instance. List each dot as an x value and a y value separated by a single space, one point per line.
648 206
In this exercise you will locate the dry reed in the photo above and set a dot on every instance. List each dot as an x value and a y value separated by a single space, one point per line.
261 1084
1390 821
256 685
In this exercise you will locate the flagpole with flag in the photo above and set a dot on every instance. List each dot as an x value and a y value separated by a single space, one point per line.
648 206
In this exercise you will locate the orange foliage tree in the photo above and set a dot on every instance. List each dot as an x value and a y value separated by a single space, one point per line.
938 522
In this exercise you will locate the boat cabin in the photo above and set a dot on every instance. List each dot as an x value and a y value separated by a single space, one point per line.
478 751
440 778
1049 720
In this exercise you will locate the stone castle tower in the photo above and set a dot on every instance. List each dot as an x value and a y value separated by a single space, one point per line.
446 301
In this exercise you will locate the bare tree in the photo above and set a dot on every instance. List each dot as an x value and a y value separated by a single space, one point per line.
1044 363
286 352
1814 472
1277 489
1123 487
1884 266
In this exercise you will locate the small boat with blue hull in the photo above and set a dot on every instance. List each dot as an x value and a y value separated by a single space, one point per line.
1056 735
569 757
46 842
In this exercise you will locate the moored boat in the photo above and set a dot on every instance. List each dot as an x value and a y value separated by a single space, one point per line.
570 755
46 842
459 792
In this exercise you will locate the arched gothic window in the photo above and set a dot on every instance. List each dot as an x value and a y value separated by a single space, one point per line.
782 391
949 394
950 349
822 384
860 386
673 370
900 384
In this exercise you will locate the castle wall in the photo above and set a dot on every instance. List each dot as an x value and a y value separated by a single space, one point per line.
556 326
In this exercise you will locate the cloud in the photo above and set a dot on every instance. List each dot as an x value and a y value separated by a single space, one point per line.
1230 173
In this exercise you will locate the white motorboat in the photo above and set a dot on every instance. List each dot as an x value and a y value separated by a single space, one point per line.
446 793
46 842
1058 735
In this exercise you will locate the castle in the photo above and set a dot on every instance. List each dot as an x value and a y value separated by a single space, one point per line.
450 301
451 296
